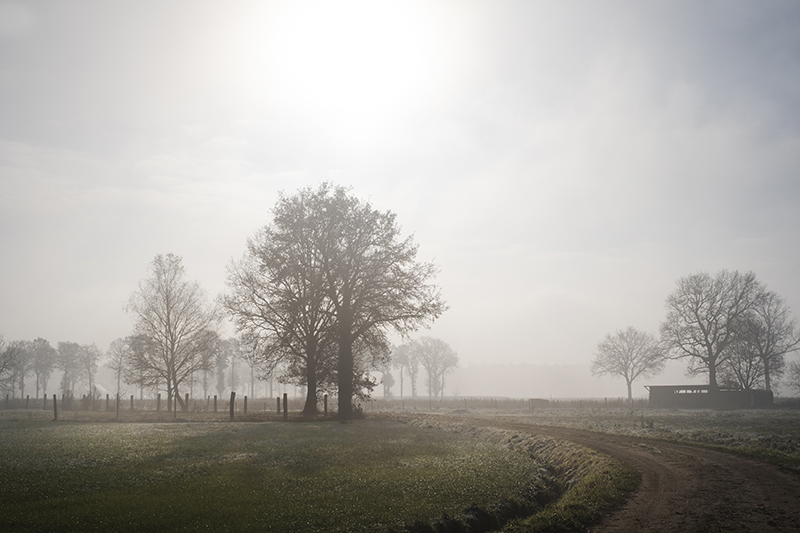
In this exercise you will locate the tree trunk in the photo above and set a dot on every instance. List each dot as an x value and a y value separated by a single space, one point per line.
712 378
345 366
310 408
766 375
630 395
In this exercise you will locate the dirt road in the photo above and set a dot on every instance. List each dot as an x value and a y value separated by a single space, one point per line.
689 489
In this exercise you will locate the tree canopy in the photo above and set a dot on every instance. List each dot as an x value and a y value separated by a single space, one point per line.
704 314
331 273
629 354
173 324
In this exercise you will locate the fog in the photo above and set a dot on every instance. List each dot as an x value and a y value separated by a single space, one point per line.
563 163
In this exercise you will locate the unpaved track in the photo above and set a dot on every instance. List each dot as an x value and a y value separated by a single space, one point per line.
689 489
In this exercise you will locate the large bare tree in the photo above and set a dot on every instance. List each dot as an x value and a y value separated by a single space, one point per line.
372 276
281 309
630 354
704 314
768 334
175 324
331 272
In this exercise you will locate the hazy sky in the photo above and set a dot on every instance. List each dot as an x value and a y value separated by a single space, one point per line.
563 162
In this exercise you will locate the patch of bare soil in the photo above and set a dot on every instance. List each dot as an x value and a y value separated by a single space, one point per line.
690 489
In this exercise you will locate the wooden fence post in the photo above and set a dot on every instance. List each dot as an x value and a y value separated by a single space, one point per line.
233 399
107 402
55 407
186 403
325 403
285 406
245 405
44 402
215 403
279 404
131 402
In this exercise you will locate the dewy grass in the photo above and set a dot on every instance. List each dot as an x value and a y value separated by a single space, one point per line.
370 475
605 488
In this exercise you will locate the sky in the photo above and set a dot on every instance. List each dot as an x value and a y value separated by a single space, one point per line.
563 162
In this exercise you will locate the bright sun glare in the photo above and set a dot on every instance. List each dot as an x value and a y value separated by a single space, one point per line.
354 62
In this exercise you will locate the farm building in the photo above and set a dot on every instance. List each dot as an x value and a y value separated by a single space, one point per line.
702 397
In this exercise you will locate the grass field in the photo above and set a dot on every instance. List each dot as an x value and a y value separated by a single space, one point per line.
368 475
149 472
767 434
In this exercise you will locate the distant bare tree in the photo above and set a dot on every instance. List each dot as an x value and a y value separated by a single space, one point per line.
68 362
770 334
88 359
178 323
119 358
252 358
7 360
703 314
793 376
220 365
629 354
405 357
438 359
44 360
23 361
387 379
399 356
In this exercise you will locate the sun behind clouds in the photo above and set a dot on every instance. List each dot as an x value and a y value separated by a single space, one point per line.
353 62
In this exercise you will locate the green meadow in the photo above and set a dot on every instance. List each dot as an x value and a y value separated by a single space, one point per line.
368 475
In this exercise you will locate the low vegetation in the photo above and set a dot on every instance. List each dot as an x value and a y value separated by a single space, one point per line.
771 435
582 484
369 475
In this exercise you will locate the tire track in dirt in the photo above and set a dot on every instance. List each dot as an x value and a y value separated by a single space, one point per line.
689 489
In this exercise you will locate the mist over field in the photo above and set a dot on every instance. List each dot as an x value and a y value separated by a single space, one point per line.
563 164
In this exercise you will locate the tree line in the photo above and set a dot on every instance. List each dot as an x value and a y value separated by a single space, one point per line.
433 355
728 326
21 360
313 300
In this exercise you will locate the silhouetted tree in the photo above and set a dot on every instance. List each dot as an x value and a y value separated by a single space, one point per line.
330 269
7 361
629 354
371 275
44 360
406 357
220 365
279 305
703 314
767 334
387 379
438 358
88 358
175 318
68 362
23 361
119 358
793 376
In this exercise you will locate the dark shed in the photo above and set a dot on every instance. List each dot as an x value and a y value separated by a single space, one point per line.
702 397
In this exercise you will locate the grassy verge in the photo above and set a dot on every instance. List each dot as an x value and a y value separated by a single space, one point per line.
583 485
369 475
605 488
